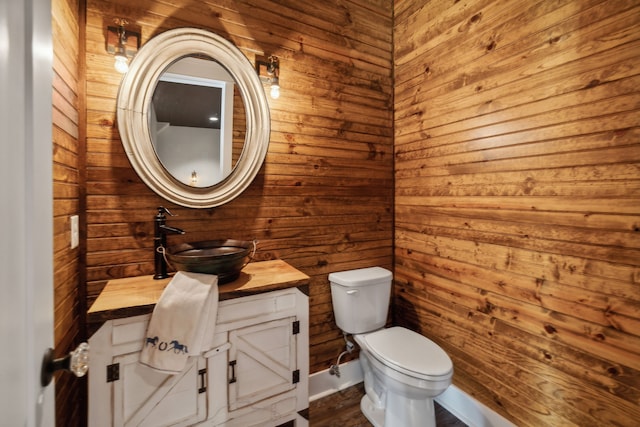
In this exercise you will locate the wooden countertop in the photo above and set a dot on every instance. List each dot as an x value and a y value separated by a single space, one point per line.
134 296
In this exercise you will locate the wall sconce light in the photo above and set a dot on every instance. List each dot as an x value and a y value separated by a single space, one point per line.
122 44
194 178
269 71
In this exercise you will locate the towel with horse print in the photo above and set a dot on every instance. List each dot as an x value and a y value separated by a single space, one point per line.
186 310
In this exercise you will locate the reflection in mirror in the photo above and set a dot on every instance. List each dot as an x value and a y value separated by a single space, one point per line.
193 124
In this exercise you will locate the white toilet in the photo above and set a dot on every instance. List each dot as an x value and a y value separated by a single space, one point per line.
403 370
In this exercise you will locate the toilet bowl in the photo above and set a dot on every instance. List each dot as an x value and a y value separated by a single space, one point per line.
403 370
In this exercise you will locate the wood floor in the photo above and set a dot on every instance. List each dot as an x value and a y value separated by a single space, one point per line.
342 409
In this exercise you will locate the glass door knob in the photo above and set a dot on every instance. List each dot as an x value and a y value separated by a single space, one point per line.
76 362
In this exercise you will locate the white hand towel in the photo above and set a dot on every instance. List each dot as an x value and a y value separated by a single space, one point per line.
186 310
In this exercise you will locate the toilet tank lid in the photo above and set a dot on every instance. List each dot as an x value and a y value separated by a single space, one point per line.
361 276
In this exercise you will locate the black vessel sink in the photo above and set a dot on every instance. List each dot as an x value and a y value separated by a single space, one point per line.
225 258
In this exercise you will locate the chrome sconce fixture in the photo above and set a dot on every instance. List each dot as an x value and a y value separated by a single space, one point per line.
123 44
269 72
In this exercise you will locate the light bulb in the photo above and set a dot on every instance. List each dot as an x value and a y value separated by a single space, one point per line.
121 65
275 91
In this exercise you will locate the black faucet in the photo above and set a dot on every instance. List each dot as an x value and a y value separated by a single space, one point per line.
160 241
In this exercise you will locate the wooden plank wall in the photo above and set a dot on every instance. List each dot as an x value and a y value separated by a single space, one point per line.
322 201
67 154
517 201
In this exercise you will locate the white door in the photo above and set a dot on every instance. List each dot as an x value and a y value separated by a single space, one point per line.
145 397
26 231
262 362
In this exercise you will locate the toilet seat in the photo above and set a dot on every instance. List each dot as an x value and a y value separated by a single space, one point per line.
410 353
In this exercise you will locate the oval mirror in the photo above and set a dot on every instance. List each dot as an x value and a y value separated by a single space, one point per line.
193 118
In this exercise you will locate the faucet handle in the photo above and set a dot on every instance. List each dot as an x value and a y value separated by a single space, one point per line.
163 210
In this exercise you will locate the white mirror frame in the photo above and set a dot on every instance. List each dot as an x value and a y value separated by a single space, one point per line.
133 105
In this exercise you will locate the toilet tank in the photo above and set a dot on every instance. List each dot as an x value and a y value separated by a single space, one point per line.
361 298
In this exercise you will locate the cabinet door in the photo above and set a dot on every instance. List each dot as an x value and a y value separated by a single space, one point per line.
262 362
145 397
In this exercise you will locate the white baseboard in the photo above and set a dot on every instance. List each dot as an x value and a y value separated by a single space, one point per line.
322 383
464 407
470 411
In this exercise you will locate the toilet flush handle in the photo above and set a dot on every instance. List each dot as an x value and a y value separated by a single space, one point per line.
352 291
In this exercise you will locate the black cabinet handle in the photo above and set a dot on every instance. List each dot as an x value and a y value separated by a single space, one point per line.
203 381
232 364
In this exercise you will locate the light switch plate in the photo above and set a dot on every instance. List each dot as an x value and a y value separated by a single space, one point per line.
75 232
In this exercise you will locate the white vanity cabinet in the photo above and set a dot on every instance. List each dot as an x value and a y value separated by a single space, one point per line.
254 370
